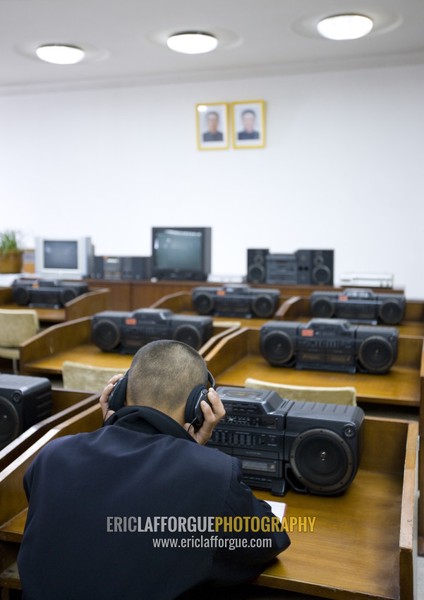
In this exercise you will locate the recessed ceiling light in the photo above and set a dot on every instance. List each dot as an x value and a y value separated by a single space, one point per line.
192 42
60 54
345 27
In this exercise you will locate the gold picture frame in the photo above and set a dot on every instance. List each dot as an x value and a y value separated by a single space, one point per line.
212 126
248 124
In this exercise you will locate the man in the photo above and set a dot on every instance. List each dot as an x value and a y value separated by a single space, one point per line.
248 118
130 511
212 122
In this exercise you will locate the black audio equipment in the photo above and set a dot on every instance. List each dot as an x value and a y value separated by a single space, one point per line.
315 267
281 268
126 332
307 267
305 446
235 301
24 401
329 345
359 306
39 293
117 268
256 265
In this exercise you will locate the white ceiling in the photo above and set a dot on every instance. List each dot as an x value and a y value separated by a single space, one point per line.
125 39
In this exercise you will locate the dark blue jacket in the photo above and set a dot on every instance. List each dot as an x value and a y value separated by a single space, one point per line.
77 542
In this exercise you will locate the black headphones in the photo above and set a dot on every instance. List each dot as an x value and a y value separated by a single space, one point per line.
193 413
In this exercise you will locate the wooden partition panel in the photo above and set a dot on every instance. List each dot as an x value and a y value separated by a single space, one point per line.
65 404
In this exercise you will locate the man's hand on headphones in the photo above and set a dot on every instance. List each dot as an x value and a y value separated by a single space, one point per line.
104 398
213 414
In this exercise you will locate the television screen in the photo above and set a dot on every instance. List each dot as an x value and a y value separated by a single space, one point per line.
60 254
181 253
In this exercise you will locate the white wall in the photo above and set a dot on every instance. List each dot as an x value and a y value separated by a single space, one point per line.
342 169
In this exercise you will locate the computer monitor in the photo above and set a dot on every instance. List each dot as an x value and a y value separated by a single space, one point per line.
181 253
63 258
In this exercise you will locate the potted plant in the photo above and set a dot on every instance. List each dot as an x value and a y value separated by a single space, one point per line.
11 254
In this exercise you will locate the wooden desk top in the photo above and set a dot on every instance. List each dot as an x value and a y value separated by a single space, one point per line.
46 352
298 309
81 306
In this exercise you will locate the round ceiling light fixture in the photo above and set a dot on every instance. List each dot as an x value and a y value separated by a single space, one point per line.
192 42
345 27
60 54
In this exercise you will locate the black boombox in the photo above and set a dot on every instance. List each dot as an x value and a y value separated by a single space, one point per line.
24 401
237 300
329 345
307 267
126 332
359 306
309 447
47 293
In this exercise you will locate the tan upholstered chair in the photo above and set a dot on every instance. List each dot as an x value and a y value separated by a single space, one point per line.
16 326
87 378
329 395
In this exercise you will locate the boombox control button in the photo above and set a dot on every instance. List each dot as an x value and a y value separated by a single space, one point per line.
349 431
16 397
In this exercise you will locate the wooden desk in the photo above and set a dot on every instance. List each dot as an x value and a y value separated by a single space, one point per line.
363 542
130 295
298 309
237 357
181 303
82 306
46 352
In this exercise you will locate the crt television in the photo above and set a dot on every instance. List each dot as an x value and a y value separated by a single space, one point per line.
181 253
63 258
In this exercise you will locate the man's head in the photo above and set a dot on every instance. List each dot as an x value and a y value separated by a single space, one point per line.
212 121
162 375
248 118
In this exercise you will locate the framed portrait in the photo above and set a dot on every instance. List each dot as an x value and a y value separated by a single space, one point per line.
212 126
248 120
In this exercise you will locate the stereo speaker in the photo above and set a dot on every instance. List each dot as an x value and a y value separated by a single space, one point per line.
315 267
256 265
322 447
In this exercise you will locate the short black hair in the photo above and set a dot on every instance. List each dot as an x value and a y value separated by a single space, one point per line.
163 373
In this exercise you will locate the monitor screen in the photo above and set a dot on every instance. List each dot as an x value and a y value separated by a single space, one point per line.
182 253
61 254
63 258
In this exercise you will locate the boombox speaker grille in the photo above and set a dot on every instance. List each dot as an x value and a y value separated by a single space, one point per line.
390 312
106 334
278 347
376 354
9 422
322 461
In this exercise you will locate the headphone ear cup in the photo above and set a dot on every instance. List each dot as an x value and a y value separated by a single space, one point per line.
190 408
119 394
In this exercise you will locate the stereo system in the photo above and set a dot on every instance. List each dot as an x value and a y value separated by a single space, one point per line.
359 305
126 332
116 268
307 267
235 301
308 447
329 345
24 401
46 293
